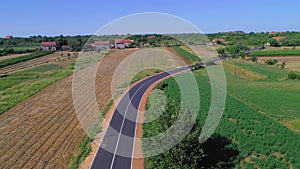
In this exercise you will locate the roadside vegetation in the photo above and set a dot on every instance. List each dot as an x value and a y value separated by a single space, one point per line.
190 57
143 74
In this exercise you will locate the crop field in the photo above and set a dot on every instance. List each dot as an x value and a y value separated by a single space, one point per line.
274 96
294 52
43 131
292 62
28 61
248 136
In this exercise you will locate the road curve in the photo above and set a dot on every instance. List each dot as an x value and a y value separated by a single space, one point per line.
119 136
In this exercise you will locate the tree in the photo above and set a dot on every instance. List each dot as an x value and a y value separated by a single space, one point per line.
221 51
254 59
271 62
275 43
283 65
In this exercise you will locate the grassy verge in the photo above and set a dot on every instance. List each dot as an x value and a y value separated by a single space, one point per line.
276 53
12 61
190 57
84 150
143 74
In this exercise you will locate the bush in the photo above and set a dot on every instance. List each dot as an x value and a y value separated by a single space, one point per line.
271 62
293 76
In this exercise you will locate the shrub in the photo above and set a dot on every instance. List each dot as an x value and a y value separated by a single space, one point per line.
271 62
293 76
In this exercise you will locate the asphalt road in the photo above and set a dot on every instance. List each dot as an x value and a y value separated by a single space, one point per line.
116 148
119 137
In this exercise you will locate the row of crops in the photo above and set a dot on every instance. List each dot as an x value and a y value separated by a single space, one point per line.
245 138
12 61
190 57
294 52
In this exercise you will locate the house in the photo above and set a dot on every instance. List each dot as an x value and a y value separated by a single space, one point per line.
8 37
123 43
273 33
49 46
151 37
267 45
101 45
218 40
279 38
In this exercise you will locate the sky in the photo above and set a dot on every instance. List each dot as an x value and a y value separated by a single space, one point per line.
23 18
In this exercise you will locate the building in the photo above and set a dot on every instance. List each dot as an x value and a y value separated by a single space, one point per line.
218 40
273 33
101 45
123 43
49 46
279 38
8 37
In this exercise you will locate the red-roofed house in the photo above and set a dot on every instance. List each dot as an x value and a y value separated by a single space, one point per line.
8 37
49 46
122 43
101 45
273 33
151 37
216 40
279 38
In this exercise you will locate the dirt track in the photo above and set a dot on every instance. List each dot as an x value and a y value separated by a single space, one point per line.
43 131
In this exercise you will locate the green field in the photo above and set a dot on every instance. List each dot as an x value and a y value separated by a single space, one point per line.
18 50
295 52
19 86
252 132
12 61
190 57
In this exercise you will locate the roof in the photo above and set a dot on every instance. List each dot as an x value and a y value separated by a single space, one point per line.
279 38
8 36
273 33
123 41
48 43
218 39
102 43
151 37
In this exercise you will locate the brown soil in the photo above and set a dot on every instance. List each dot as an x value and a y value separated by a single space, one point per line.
43 131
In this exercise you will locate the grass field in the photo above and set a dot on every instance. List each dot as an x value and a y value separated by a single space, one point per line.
250 129
20 59
19 86
275 96
282 53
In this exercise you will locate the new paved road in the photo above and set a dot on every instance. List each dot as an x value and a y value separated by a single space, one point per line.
116 148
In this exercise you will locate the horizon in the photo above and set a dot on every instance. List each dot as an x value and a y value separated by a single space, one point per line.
68 18
141 34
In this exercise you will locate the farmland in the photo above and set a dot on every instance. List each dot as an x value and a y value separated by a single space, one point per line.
28 61
291 52
248 137
43 131
20 59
